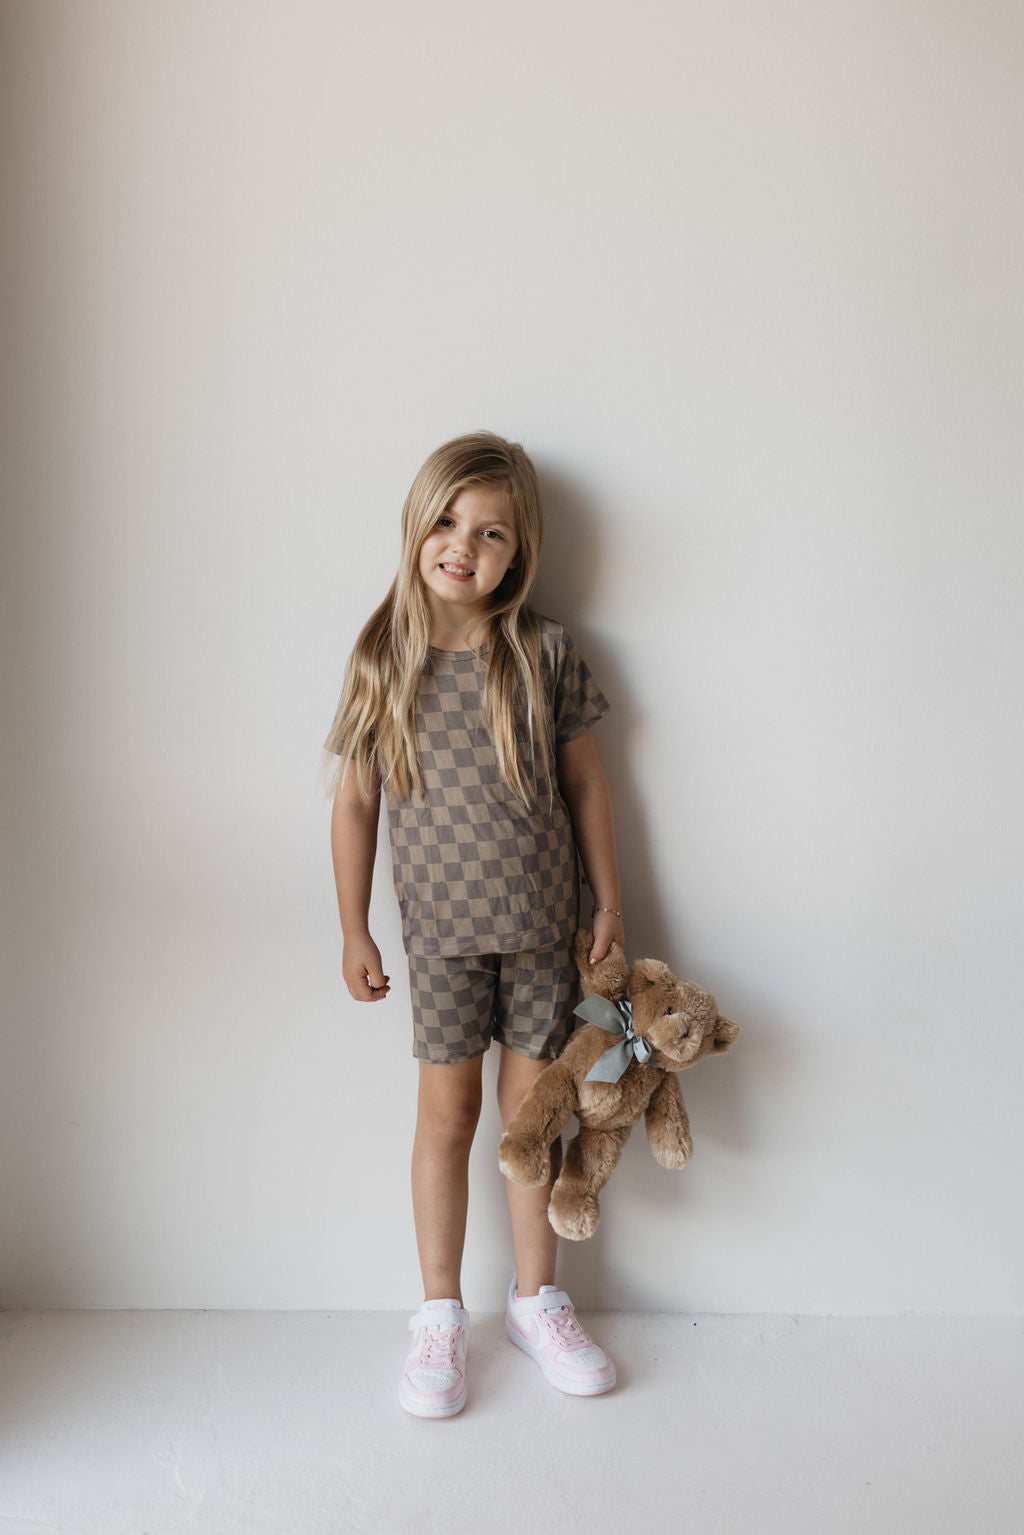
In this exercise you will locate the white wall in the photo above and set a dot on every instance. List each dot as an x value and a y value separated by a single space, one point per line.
746 281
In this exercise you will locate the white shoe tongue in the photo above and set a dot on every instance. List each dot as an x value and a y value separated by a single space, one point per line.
550 1289
438 1305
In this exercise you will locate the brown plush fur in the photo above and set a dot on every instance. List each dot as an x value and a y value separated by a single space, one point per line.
682 1024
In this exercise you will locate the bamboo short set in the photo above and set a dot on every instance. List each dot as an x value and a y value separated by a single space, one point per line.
488 891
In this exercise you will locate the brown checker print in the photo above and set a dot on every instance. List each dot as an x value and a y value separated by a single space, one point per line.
460 1002
475 872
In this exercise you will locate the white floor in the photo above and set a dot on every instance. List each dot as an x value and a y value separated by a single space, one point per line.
287 1423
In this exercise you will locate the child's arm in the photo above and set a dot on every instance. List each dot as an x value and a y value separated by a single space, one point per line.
354 848
585 791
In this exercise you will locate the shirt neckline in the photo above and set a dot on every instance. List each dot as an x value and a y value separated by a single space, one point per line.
436 650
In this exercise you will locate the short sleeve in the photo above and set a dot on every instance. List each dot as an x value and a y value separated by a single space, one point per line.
579 702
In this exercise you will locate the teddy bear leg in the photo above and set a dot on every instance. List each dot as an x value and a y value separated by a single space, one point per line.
573 1209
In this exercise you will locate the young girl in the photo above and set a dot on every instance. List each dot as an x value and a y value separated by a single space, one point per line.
474 713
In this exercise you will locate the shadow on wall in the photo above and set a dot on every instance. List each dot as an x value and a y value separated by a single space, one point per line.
598 1270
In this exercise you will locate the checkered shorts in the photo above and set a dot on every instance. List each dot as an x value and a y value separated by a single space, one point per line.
460 1002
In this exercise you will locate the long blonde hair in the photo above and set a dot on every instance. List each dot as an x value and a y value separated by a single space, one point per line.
374 726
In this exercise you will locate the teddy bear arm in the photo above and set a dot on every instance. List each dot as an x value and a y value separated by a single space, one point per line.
668 1124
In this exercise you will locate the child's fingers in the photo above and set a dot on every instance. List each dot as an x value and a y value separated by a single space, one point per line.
370 987
611 929
377 983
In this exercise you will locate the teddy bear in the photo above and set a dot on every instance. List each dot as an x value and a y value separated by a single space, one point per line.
642 1025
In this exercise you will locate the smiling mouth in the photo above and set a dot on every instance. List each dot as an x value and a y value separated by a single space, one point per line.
455 572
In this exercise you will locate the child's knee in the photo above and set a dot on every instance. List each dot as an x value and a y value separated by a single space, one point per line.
449 1124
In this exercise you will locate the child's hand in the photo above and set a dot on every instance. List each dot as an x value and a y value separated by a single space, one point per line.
606 927
363 970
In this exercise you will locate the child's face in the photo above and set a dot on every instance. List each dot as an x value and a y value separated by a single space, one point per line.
476 534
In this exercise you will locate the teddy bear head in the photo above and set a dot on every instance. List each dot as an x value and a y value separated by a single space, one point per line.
678 1018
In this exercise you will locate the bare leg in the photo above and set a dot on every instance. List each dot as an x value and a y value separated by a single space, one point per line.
447 1113
533 1240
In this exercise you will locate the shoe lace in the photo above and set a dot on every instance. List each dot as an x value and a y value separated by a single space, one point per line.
567 1327
437 1346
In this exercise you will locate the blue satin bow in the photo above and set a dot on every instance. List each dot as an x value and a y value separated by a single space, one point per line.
617 1017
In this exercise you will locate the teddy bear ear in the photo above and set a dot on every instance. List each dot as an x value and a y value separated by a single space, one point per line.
584 944
646 972
725 1034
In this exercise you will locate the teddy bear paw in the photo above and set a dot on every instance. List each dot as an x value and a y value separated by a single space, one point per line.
574 1216
673 1153
524 1162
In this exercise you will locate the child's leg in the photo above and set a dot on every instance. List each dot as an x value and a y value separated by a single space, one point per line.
452 1001
446 1119
537 991
534 1017
533 1238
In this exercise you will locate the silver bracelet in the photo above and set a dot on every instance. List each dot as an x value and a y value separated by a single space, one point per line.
609 908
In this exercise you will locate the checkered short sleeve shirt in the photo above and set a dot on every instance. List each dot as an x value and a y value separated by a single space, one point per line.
475 871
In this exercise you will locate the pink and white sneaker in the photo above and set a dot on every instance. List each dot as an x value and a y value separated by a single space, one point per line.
545 1327
433 1382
